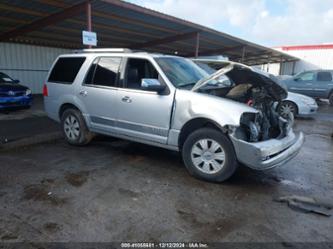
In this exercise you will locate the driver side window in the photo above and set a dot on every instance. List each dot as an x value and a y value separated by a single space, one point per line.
136 70
306 76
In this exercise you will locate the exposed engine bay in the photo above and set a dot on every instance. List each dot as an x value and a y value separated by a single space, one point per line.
254 90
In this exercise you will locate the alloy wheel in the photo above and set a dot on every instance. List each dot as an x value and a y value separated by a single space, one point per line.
287 108
72 127
208 156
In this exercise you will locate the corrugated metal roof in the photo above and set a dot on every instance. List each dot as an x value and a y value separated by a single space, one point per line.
122 24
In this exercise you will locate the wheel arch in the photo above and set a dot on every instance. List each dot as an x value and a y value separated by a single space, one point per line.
66 106
330 97
195 124
330 93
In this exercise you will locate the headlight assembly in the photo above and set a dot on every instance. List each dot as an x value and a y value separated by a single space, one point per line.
28 92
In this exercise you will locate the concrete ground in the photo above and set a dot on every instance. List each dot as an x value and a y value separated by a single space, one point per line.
19 124
113 190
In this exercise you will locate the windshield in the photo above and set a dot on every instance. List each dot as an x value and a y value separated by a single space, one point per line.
221 81
181 72
4 78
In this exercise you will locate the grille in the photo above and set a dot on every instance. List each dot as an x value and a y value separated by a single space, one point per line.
16 94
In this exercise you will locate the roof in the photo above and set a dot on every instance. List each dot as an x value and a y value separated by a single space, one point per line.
120 24
121 53
306 47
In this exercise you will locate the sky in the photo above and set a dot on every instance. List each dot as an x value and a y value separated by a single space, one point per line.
267 22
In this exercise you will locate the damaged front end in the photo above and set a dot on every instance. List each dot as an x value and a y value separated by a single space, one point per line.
267 154
255 127
264 139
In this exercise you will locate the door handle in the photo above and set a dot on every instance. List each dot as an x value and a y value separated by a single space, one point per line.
126 99
83 93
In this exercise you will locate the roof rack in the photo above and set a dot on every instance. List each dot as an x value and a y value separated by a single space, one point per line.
104 50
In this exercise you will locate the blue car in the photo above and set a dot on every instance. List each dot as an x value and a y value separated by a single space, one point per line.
13 95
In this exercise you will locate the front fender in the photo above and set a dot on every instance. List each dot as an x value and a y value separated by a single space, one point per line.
190 105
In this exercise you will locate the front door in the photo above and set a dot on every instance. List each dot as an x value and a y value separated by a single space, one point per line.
99 94
303 83
143 114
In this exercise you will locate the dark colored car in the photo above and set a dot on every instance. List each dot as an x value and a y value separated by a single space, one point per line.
315 83
12 94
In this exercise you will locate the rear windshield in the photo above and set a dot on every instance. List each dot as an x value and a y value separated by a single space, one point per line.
66 69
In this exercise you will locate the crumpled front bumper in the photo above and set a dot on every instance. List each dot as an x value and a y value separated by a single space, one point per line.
268 154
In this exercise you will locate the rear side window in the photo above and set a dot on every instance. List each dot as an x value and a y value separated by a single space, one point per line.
90 75
324 76
66 69
104 71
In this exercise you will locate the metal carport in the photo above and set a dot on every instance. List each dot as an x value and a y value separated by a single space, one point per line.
120 24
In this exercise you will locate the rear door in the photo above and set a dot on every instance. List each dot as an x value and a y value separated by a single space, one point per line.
143 114
323 84
303 83
99 93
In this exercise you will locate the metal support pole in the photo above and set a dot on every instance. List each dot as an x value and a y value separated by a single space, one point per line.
293 71
243 54
88 12
197 44
281 64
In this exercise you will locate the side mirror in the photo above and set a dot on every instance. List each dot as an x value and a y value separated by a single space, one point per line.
16 81
296 79
153 85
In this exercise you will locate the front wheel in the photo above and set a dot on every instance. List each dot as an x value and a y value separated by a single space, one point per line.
208 154
74 128
287 107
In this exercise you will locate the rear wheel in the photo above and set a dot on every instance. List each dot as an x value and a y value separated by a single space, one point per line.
286 107
74 128
208 154
331 99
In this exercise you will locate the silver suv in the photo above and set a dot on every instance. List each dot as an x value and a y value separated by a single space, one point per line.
215 120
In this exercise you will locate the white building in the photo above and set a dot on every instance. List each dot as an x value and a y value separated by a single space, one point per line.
311 57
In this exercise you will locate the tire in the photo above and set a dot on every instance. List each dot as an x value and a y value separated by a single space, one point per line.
330 98
287 106
74 128
212 168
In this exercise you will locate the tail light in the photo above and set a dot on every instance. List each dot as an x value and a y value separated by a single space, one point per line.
45 91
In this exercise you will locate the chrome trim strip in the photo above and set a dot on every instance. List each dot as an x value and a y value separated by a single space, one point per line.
131 126
135 139
103 121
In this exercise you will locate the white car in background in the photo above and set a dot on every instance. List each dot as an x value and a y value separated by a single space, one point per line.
298 104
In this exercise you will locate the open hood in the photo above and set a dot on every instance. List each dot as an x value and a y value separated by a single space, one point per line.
239 74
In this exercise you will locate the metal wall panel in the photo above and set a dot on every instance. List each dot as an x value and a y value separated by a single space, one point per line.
28 63
310 59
